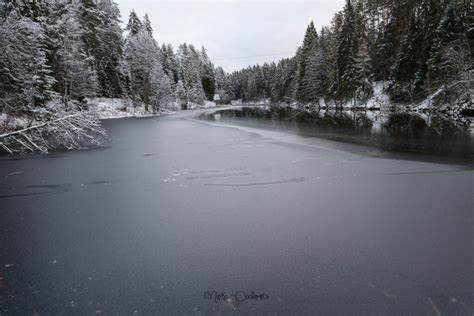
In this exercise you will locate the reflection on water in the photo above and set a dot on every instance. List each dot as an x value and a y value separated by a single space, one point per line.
431 133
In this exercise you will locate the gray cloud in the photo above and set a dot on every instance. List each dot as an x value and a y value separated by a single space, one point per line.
236 34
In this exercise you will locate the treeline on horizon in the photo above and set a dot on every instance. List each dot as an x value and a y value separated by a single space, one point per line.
72 50
413 46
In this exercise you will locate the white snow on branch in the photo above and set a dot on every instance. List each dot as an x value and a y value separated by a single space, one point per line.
75 131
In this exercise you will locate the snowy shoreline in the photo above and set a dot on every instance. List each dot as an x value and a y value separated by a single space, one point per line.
107 108
76 125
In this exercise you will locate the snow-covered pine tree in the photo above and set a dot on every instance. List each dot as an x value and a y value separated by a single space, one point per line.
190 73
223 88
108 54
147 25
283 81
376 14
250 91
73 68
347 52
363 71
429 14
450 35
134 23
330 47
314 76
207 75
181 95
102 37
35 10
3 10
308 49
25 79
196 91
405 66
268 71
324 44
149 84
170 64
260 81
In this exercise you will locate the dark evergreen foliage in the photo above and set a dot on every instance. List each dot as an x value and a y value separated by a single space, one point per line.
413 45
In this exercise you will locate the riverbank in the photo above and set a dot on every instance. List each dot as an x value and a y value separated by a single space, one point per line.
432 133
56 126
109 108
59 126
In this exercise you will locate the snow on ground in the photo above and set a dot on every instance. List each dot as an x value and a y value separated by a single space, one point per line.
10 122
104 108
427 103
207 105
379 99
107 108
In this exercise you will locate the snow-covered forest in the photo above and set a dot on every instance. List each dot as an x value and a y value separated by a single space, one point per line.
412 47
60 57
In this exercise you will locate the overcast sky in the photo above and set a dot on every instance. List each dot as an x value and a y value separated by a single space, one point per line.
236 34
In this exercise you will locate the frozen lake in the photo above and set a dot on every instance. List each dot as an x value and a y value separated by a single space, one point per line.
175 207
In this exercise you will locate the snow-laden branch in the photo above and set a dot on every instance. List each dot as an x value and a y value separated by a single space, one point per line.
74 131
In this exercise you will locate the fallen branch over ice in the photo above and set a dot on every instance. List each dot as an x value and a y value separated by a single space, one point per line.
75 131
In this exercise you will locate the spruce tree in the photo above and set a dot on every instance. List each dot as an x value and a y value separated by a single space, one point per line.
180 94
134 24
25 80
405 66
347 53
331 50
73 69
451 29
363 71
102 36
147 25
190 73
149 83
207 75
308 49
429 14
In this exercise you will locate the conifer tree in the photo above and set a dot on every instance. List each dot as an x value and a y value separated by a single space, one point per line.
180 94
207 75
102 37
363 71
147 25
149 84
25 77
450 30
308 49
347 53
73 69
134 24
190 73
